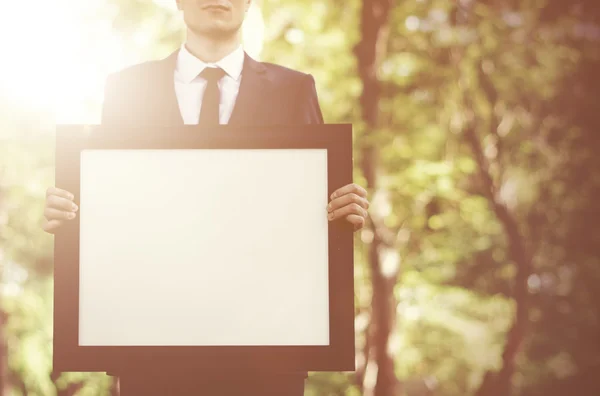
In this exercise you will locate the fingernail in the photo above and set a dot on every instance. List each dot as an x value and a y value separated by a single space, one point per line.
71 216
330 216
329 208
75 207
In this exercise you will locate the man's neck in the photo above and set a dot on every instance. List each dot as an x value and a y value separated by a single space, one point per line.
210 50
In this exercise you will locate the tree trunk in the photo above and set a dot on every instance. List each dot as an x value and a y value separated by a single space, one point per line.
499 384
17 383
369 53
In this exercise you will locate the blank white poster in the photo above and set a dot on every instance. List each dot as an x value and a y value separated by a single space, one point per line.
203 247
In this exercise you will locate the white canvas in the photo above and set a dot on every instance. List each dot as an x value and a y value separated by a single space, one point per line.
203 247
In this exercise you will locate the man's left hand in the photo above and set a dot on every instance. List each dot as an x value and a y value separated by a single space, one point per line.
349 202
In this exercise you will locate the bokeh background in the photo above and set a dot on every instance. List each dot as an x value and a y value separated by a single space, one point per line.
476 132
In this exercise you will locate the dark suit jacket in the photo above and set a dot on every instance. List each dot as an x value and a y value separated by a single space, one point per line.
269 94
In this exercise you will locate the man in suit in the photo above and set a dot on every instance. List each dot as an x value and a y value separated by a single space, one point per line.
211 80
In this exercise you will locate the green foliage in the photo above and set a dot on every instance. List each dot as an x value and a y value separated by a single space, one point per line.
522 72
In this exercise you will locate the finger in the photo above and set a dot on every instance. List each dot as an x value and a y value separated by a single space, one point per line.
56 202
352 209
349 188
55 214
59 192
347 200
51 226
357 221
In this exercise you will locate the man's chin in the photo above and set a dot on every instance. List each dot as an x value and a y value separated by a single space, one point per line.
217 31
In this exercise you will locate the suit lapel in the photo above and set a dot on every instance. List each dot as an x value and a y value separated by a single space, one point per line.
252 88
168 105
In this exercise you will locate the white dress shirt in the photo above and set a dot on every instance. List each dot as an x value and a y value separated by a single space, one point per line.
189 87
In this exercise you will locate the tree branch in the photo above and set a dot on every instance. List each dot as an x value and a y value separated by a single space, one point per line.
519 256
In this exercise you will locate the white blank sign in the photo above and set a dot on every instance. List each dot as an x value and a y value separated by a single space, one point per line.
203 247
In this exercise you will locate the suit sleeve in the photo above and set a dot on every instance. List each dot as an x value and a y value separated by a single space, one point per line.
310 110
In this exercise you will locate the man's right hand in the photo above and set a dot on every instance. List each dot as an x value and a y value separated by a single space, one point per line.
59 208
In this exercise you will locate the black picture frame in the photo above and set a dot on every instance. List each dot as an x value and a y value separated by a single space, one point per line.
339 355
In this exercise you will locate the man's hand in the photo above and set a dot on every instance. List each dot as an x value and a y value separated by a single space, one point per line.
59 208
349 202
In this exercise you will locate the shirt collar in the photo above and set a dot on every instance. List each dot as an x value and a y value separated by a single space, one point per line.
189 67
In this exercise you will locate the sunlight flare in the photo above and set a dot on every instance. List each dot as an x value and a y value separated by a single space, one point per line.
65 50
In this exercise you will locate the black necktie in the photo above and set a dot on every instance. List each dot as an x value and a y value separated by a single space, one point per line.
209 111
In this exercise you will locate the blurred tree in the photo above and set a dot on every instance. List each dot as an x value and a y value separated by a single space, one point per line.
370 52
467 186
476 132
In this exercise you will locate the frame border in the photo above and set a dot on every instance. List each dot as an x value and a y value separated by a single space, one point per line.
339 355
